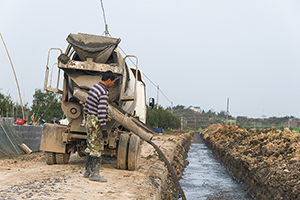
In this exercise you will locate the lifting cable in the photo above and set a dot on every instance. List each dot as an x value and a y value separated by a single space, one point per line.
147 77
104 18
108 34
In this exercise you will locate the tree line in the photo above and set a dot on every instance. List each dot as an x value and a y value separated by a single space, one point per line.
204 119
47 105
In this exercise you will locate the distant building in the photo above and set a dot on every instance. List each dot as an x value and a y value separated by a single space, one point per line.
195 108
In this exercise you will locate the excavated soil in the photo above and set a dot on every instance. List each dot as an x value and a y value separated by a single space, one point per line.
268 161
29 177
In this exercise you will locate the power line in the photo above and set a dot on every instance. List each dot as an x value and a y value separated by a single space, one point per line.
165 95
147 77
107 33
135 66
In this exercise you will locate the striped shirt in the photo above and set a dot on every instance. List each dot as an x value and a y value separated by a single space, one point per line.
97 103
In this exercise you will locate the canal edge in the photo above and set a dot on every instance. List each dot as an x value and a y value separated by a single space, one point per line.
175 149
264 177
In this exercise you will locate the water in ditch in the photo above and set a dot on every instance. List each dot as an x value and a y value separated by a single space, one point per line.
206 178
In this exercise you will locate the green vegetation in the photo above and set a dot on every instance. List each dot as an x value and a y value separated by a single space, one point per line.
162 118
13 156
45 105
194 120
8 108
6 104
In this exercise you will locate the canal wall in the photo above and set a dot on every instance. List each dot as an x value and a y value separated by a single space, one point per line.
29 135
268 161
175 148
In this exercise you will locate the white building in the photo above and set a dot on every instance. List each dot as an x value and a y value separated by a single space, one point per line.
195 108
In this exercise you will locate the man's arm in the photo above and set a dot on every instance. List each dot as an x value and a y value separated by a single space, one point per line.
102 110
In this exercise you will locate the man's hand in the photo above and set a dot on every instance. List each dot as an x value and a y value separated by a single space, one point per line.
104 134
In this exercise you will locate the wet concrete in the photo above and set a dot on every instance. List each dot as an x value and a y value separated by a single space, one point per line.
206 177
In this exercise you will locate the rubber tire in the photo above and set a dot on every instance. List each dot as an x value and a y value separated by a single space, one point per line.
134 152
62 158
122 151
50 158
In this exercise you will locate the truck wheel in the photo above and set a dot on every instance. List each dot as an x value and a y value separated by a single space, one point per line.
134 152
122 151
62 158
50 158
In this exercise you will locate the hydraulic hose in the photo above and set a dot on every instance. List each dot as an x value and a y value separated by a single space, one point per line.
145 133
170 169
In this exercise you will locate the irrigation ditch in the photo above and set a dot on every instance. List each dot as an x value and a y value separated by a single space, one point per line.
267 161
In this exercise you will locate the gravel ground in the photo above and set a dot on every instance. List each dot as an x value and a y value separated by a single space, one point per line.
29 177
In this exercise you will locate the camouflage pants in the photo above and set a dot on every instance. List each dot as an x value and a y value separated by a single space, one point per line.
95 144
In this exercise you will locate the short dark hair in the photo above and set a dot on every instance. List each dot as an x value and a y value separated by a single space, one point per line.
108 75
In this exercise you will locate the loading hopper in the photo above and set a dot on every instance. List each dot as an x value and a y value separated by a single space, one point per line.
93 46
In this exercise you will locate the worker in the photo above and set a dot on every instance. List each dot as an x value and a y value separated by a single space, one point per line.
96 110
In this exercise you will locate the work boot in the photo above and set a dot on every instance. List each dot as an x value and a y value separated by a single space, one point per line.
88 166
95 174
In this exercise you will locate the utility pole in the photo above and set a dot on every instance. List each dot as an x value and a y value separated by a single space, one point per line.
253 124
181 123
185 123
263 115
172 107
227 111
13 112
157 96
17 109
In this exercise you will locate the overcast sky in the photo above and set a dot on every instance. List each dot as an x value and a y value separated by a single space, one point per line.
199 52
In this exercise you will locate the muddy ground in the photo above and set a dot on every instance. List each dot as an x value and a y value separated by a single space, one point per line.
267 160
29 177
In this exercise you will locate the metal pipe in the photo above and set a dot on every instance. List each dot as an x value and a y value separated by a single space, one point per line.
47 68
78 136
58 76
127 122
51 72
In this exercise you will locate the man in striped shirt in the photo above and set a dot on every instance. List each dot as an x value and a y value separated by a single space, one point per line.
95 112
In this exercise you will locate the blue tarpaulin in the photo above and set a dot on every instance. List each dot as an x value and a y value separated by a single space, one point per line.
159 129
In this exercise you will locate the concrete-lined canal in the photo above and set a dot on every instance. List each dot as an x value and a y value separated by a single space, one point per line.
206 177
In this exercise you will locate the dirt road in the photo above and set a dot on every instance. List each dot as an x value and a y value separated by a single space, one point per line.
29 177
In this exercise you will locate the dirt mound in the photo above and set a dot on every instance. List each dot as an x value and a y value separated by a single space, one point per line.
268 161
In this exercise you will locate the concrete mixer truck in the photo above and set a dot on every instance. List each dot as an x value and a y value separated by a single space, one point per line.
82 63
